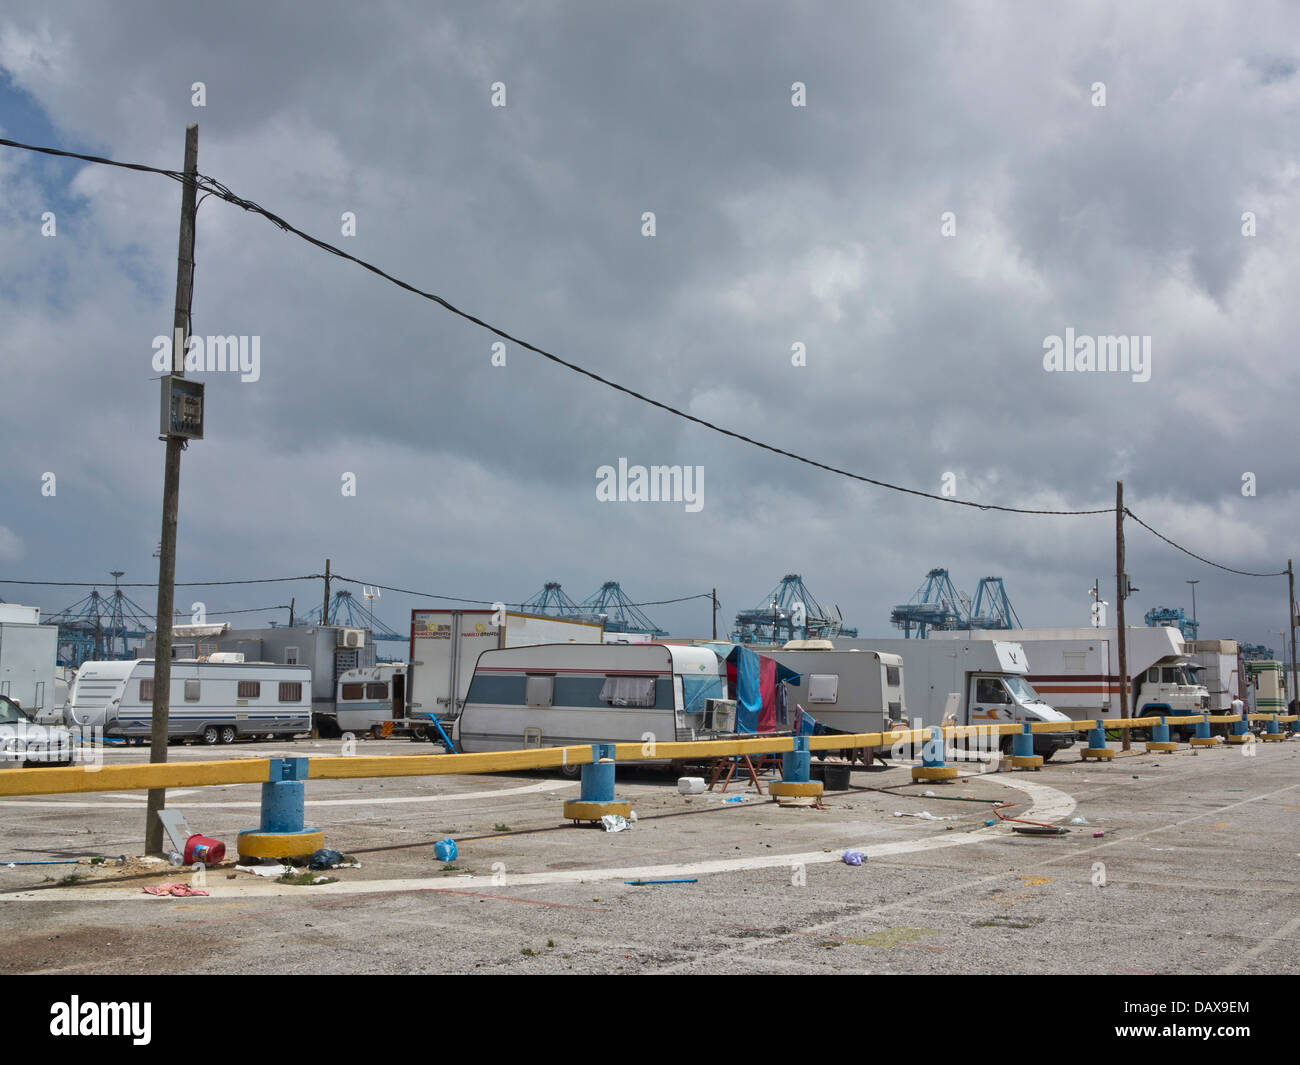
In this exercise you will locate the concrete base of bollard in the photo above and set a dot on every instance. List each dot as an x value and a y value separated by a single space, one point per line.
1204 741
1027 761
255 844
1244 738
1272 737
1102 754
1157 745
938 773
577 810
796 792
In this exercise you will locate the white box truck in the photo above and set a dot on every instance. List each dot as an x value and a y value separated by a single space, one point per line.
446 644
1217 664
1078 669
28 658
980 681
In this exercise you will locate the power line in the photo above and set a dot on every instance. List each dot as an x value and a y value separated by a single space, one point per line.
1199 558
216 188
493 602
179 584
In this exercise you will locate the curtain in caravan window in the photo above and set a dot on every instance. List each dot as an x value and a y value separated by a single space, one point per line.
628 691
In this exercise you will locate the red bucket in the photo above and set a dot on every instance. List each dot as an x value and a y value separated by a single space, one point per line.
201 849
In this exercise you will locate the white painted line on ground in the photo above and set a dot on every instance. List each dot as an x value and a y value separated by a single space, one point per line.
1048 804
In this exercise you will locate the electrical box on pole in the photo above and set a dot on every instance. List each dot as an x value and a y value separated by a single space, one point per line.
182 408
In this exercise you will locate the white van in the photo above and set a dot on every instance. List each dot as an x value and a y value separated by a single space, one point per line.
215 702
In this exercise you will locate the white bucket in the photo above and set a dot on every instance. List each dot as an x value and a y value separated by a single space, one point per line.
690 785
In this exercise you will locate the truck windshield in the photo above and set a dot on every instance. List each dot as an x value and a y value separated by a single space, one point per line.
10 713
1178 675
1022 690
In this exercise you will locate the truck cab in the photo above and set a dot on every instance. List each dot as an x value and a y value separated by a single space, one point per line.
1170 686
1006 698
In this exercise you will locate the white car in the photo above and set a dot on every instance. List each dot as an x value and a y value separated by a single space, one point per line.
24 742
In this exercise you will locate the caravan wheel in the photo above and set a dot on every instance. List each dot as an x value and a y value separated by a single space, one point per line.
228 734
210 735
571 772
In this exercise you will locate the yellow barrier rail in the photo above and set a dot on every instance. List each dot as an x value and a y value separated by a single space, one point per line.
78 779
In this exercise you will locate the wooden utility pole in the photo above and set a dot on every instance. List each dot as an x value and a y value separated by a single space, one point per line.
325 607
715 613
1294 693
291 613
1121 589
162 668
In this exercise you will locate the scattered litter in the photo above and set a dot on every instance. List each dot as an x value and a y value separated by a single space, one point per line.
990 821
927 795
325 859
175 858
735 798
852 858
645 883
445 850
266 870
614 822
632 817
1098 834
1079 821
690 785
180 891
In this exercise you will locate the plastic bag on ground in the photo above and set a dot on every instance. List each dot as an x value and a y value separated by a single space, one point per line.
614 822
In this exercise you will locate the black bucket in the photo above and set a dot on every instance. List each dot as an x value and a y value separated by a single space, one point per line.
817 772
835 777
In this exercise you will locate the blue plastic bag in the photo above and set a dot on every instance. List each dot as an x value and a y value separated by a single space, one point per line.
445 850
852 858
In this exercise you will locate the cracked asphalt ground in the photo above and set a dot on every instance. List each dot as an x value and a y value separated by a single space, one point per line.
1195 873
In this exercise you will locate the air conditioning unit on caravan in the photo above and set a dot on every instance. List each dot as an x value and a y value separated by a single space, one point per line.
720 715
352 637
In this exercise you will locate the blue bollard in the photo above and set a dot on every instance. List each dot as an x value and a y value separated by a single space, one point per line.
932 752
1241 726
284 796
1271 728
796 765
1160 733
1022 745
281 832
1097 737
598 777
1203 729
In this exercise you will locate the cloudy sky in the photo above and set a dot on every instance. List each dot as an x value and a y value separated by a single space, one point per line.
775 225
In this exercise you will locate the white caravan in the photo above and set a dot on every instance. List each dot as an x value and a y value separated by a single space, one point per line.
445 645
557 695
370 695
849 691
28 655
973 682
1078 669
213 701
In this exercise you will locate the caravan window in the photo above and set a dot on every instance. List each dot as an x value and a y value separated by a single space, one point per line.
249 689
291 656
539 689
354 691
192 691
823 687
628 691
146 691
290 691
892 677
376 691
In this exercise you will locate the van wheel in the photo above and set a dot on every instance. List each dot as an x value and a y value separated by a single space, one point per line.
571 772
229 734
210 735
